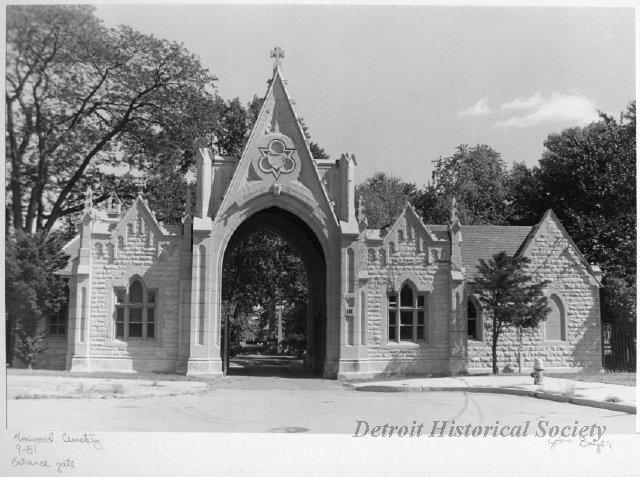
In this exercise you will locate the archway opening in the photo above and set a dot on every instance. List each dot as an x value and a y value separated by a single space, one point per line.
274 294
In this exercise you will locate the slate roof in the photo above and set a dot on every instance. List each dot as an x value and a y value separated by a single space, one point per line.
482 241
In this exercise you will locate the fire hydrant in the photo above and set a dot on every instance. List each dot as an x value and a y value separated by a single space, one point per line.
538 367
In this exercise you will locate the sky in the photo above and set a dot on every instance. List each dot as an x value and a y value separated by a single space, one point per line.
401 86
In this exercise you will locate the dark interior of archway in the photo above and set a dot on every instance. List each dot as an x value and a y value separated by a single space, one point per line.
274 265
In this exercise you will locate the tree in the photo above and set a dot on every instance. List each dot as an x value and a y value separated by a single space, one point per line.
619 301
478 180
316 151
263 272
524 191
33 291
81 97
588 176
510 296
384 197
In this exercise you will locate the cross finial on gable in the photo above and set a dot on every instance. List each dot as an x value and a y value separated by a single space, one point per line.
278 54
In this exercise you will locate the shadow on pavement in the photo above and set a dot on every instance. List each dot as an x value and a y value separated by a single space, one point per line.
270 366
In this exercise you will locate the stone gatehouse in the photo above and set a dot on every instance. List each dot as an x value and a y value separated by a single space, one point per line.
145 296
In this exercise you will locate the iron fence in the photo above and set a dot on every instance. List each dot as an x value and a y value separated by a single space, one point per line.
619 347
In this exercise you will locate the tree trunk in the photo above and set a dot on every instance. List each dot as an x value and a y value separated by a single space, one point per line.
494 347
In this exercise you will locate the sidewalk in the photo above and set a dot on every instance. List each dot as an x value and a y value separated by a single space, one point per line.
55 387
614 397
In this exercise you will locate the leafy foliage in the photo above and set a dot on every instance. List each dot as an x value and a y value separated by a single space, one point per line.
478 180
384 197
619 301
588 176
261 273
81 97
33 291
316 151
510 296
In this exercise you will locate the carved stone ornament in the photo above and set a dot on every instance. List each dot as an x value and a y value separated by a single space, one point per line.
276 159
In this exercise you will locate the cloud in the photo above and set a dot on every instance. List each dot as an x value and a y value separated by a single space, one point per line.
566 108
478 109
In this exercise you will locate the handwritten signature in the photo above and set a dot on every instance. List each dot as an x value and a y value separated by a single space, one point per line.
599 444
553 443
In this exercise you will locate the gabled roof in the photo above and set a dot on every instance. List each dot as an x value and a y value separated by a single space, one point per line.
483 241
140 206
278 111
550 215
409 213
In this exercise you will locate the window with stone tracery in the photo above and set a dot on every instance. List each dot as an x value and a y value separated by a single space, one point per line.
406 313
135 314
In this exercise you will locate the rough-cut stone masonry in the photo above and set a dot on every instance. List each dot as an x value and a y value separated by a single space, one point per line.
554 258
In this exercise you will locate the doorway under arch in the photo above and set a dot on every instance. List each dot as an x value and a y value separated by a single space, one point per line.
303 241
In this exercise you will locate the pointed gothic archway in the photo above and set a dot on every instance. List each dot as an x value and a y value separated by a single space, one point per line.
308 248
276 183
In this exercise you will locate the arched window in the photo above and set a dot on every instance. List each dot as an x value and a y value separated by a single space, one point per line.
554 327
135 311
58 320
406 315
474 320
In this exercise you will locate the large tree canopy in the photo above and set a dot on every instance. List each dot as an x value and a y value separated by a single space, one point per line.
588 176
477 178
384 198
263 272
80 96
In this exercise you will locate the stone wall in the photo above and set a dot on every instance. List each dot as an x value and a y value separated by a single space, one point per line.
389 265
159 269
554 258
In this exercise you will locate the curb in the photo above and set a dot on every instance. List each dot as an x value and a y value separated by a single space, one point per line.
611 406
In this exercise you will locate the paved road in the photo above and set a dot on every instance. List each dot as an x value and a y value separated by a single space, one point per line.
256 402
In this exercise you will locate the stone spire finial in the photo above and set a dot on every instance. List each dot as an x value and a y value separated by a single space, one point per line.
88 199
362 218
360 208
140 185
187 208
454 211
278 54
214 144
113 205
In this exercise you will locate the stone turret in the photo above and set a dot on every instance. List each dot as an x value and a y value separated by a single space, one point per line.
346 166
